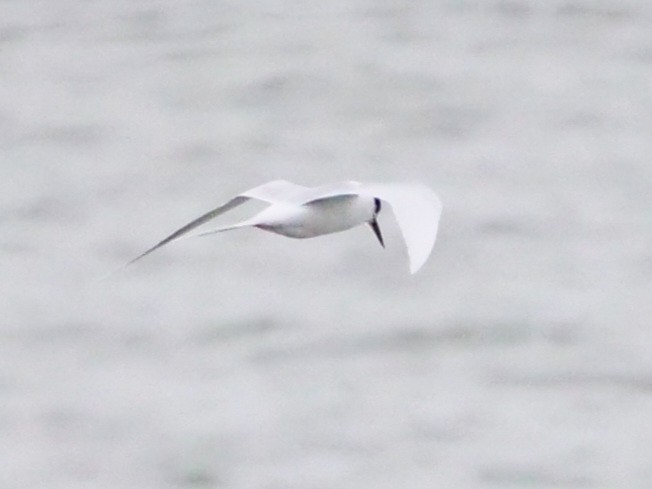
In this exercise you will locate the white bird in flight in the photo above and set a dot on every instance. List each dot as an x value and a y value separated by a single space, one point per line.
304 212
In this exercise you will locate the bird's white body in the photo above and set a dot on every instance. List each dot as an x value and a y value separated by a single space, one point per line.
317 218
302 212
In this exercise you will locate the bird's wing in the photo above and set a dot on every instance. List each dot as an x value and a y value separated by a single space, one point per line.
271 192
416 208
275 191
314 194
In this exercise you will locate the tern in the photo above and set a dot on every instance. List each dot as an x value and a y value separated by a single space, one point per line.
296 211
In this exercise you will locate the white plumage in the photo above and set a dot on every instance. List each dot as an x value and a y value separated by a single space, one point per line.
303 212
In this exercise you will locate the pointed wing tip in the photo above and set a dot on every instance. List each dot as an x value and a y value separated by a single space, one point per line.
418 258
141 256
415 267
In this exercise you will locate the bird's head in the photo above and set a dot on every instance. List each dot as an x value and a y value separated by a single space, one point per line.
373 223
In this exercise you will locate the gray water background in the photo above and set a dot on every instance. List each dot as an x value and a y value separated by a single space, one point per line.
518 357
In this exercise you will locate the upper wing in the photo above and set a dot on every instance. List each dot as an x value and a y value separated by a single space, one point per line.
271 192
312 194
417 210
275 191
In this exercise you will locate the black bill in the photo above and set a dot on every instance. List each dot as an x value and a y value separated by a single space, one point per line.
376 229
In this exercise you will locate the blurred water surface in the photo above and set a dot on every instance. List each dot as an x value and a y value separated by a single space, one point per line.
519 355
